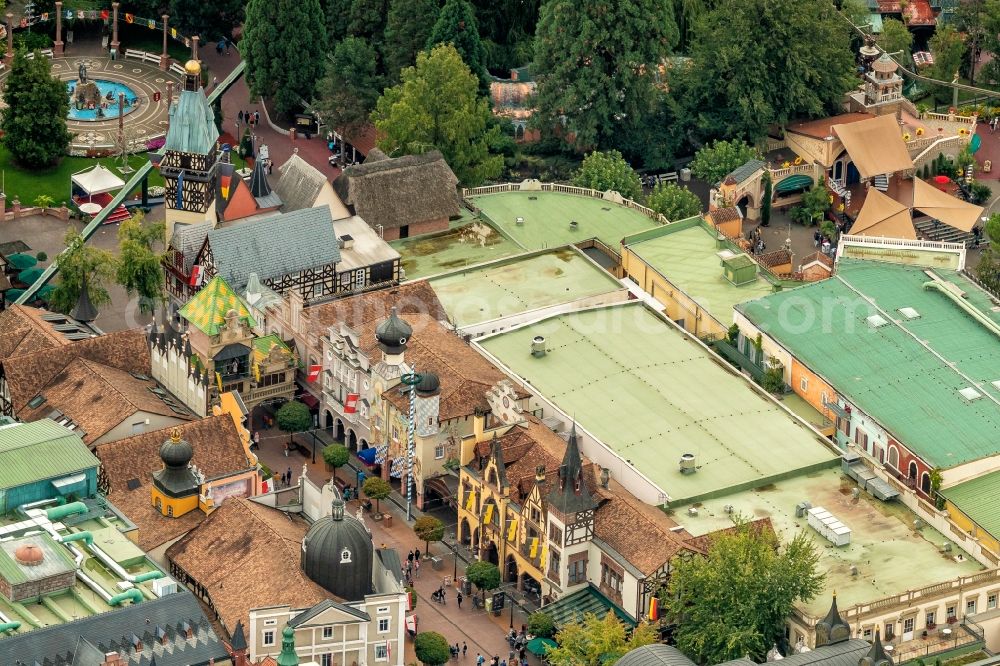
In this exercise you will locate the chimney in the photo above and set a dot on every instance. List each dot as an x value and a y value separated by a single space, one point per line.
113 659
540 473
188 631
538 346
605 477
346 242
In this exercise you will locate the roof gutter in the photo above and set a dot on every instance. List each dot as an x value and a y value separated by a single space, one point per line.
956 295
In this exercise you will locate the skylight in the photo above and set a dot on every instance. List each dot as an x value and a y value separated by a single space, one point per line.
876 321
909 313
37 401
970 393
996 384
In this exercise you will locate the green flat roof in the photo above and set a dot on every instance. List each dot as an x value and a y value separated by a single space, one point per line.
906 374
466 243
651 394
40 450
547 216
979 499
521 284
882 533
688 258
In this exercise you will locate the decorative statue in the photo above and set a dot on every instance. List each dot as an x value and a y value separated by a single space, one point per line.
82 72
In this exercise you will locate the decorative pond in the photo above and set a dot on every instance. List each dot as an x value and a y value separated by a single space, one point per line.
98 100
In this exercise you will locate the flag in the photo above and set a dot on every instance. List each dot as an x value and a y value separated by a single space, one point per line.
314 371
512 530
541 560
488 516
351 404
180 191
173 33
218 378
654 609
471 502
534 548
256 372
388 650
104 14
130 18
197 275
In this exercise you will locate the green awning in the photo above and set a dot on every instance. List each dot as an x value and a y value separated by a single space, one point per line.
21 261
30 275
571 609
539 646
794 184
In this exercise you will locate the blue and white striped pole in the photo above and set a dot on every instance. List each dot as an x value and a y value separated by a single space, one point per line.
411 379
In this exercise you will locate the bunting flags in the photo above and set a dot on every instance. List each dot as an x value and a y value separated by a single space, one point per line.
173 33
151 24
104 14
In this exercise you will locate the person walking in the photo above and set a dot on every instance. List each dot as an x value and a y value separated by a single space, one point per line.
460 597
256 118
416 568
480 659
465 649
289 476
409 557
416 554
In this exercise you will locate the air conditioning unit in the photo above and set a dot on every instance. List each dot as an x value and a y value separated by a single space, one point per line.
164 586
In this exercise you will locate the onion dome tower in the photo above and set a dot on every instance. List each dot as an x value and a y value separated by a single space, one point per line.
337 553
876 655
393 334
176 481
832 629
287 656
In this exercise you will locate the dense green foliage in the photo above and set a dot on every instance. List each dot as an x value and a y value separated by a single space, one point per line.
507 27
210 20
484 575
896 37
757 64
348 92
718 159
674 202
34 121
336 455
734 602
596 62
540 624
456 25
427 529
78 263
139 268
431 648
766 199
406 32
608 171
948 47
376 488
813 206
988 270
283 44
597 641
435 107
293 417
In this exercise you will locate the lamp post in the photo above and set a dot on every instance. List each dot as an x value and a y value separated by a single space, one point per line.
410 379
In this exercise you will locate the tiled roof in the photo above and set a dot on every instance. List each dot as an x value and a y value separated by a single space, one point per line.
98 398
262 346
275 245
188 239
208 308
774 258
22 331
400 190
820 257
261 549
741 173
364 312
40 450
218 451
26 375
728 214
60 644
298 185
465 375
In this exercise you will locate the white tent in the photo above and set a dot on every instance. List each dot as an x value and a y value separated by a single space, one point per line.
97 180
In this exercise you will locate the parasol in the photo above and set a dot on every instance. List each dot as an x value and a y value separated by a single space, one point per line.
90 208
30 275
539 646
22 261
45 291
942 180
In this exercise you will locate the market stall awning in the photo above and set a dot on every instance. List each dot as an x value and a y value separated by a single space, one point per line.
794 184
876 146
97 180
573 607
942 206
883 216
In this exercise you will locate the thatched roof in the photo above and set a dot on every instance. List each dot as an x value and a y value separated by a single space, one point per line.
398 191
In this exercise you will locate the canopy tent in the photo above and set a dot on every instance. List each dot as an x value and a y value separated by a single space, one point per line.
21 262
883 216
876 146
98 180
952 211
539 646
794 183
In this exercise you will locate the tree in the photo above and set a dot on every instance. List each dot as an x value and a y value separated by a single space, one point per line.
366 18
80 262
431 648
673 201
948 47
427 529
283 44
456 25
734 601
435 107
540 624
376 488
813 206
336 455
293 417
210 20
740 86
597 641
608 171
990 42
766 200
484 575
139 268
896 37
717 160
34 121
348 92
595 64
406 32
856 11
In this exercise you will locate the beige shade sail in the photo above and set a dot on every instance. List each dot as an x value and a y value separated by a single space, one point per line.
942 206
883 216
876 146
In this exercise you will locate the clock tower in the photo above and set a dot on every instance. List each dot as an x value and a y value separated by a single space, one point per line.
189 164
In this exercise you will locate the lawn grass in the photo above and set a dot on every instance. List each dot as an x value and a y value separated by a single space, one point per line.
27 184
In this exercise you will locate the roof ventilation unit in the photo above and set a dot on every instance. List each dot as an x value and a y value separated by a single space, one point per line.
970 394
876 321
688 464
909 313
538 346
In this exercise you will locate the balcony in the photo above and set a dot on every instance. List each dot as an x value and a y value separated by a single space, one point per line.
942 638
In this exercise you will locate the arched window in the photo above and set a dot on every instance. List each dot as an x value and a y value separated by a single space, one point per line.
893 457
925 483
913 470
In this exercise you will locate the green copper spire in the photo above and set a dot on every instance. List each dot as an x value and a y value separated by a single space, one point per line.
288 656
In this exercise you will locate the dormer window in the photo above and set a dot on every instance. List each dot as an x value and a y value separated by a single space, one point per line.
345 556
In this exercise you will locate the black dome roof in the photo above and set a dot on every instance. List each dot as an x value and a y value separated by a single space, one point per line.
337 553
429 383
393 334
176 452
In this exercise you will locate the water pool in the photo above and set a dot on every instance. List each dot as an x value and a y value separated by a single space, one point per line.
112 110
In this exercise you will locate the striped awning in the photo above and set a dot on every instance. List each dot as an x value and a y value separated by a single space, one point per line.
794 183
570 609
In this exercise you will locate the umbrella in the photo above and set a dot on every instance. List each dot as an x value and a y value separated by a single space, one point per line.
942 180
22 261
14 294
45 291
539 646
29 276
976 144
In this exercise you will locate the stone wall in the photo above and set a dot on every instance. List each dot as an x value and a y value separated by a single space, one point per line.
36 588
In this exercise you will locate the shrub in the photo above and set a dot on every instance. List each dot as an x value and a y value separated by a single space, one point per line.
41 256
336 455
540 624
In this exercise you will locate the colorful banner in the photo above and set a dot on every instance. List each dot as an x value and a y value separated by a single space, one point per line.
130 18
